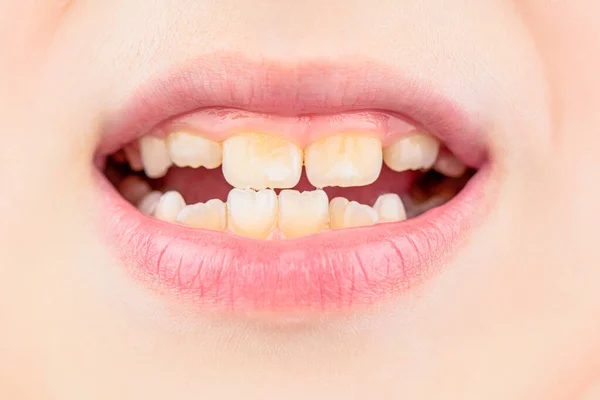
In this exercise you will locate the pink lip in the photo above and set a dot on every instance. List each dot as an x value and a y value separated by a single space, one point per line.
332 270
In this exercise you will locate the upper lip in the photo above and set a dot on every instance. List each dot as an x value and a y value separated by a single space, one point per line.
337 269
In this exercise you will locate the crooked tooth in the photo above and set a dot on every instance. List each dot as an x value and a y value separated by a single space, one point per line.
303 213
350 214
170 204
258 161
389 208
414 152
447 164
133 189
252 213
187 150
147 205
209 215
343 160
155 156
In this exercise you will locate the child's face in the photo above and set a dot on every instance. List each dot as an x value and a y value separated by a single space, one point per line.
493 294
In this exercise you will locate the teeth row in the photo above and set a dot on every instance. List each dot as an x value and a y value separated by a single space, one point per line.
257 214
258 161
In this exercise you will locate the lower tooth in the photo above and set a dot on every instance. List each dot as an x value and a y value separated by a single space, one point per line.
170 204
147 205
350 214
252 213
389 208
133 189
209 215
302 214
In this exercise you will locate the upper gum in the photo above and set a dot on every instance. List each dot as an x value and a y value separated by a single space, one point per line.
300 130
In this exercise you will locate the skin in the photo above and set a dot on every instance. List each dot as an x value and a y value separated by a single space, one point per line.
513 315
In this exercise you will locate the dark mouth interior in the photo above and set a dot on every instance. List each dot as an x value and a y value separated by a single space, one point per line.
419 190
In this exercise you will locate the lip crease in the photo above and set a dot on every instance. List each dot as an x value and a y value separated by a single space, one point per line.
334 270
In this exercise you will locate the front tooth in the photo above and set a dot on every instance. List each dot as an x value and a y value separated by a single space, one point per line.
155 156
170 204
389 208
259 161
343 160
209 215
414 152
187 150
302 214
350 214
147 205
252 213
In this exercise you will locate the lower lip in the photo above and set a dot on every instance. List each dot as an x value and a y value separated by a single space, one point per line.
330 271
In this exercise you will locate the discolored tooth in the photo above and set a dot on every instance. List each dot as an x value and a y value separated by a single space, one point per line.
134 158
447 164
149 202
252 213
389 208
170 204
187 150
303 213
343 160
155 156
133 188
209 215
258 161
414 152
350 214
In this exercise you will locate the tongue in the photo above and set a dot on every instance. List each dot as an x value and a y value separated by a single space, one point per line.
201 185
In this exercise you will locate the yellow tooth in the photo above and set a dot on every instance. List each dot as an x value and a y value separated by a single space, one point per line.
187 150
447 164
350 214
303 213
169 205
155 156
147 205
343 160
414 152
252 213
389 208
258 161
209 215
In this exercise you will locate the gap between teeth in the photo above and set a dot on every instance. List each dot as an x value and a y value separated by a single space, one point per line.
259 161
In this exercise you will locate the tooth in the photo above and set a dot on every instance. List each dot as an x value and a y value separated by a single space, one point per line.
209 215
343 160
155 156
345 214
252 213
170 204
133 188
303 213
447 164
187 150
412 153
259 161
389 208
148 204
134 158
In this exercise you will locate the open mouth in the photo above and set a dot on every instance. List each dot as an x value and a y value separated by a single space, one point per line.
251 208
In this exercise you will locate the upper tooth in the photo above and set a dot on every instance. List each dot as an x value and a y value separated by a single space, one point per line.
170 204
343 160
259 161
252 213
209 215
447 164
147 205
187 150
303 213
155 156
345 214
412 153
133 156
390 208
